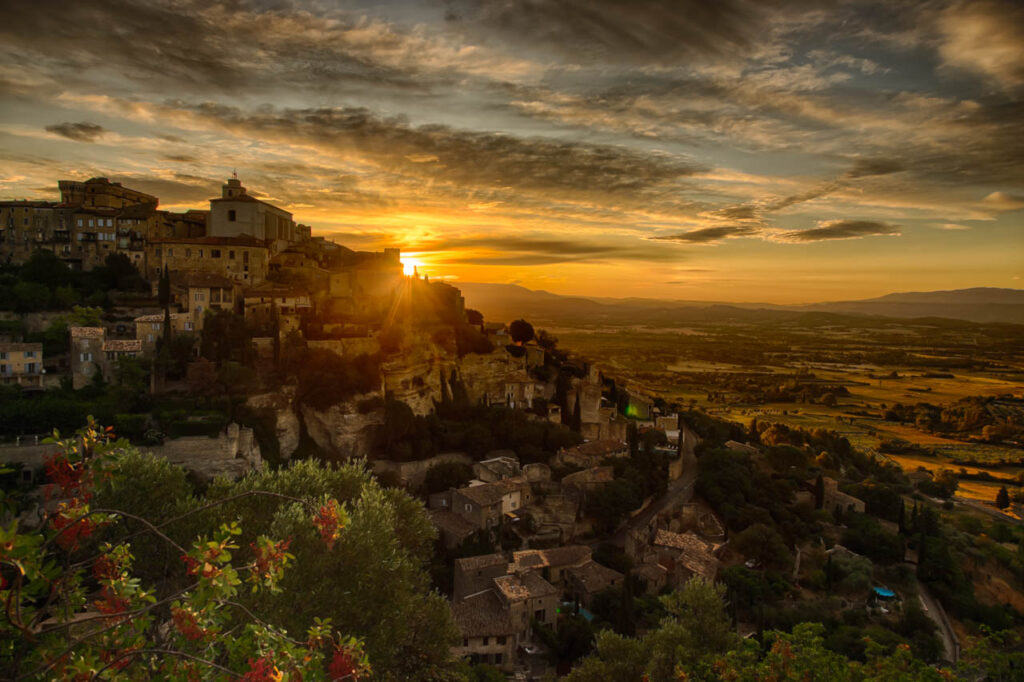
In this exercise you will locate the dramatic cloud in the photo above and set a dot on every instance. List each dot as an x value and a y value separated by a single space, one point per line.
986 37
841 229
711 235
867 167
642 31
587 143
80 132
1001 201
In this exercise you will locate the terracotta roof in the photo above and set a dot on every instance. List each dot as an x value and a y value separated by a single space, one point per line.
591 476
242 240
594 577
87 332
524 586
696 554
598 448
159 317
570 555
686 541
451 523
491 493
21 347
650 572
482 615
475 563
206 279
123 345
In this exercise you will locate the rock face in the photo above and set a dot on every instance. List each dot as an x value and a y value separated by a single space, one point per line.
234 452
344 429
287 428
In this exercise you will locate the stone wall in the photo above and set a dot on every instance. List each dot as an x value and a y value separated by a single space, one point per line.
411 474
348 347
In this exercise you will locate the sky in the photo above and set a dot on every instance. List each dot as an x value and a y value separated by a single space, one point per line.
737 150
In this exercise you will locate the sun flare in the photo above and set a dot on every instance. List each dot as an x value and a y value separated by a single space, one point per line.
409 265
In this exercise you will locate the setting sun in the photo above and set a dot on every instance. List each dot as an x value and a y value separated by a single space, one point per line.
409 265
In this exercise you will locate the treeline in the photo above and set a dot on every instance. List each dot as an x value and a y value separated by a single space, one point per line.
988 417
45 282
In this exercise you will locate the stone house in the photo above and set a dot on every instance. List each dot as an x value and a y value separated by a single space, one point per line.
529 597
497 467
551 564
242 259
452 529
476 573
149 329
837 499
684 555
591 454
485 505
589 579
205 291
85 354
21 364
488 634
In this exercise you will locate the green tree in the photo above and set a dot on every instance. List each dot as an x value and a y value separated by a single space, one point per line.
1003 498
521 331
763 544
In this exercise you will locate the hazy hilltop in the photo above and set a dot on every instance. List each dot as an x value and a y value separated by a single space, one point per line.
510 301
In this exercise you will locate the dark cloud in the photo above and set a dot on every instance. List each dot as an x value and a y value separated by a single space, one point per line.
875 166
842 229
180 158
709 235
641 31
178 189
538 250
463 157
194 45
82 131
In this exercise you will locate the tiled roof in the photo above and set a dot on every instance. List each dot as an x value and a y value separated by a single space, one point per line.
591 476
696 554
598 448
87 332
570 555
242 240
159 317
475 563
650 572
482 615
451 523
524 586
491 493
21 347
123 345
594 577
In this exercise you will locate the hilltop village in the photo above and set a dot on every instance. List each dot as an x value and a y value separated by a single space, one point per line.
554 504
297 346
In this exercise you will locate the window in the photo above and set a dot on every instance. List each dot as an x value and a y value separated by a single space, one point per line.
30 354
157 252
170 252
501 640
497 658
200 296
214 253
541 615
149 338
231 255
231 216
465 641
189 326
79 222
30 368
486 641
188 253
3 355
85 357
200 253
469 507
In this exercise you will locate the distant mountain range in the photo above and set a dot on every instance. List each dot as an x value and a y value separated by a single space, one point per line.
509 301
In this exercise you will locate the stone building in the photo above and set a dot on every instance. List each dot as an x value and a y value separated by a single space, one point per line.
488 634
149 329
21 364
485 505
237 213
242 259
85 354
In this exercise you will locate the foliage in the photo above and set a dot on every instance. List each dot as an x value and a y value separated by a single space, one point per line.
76 609
445 475
521 331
